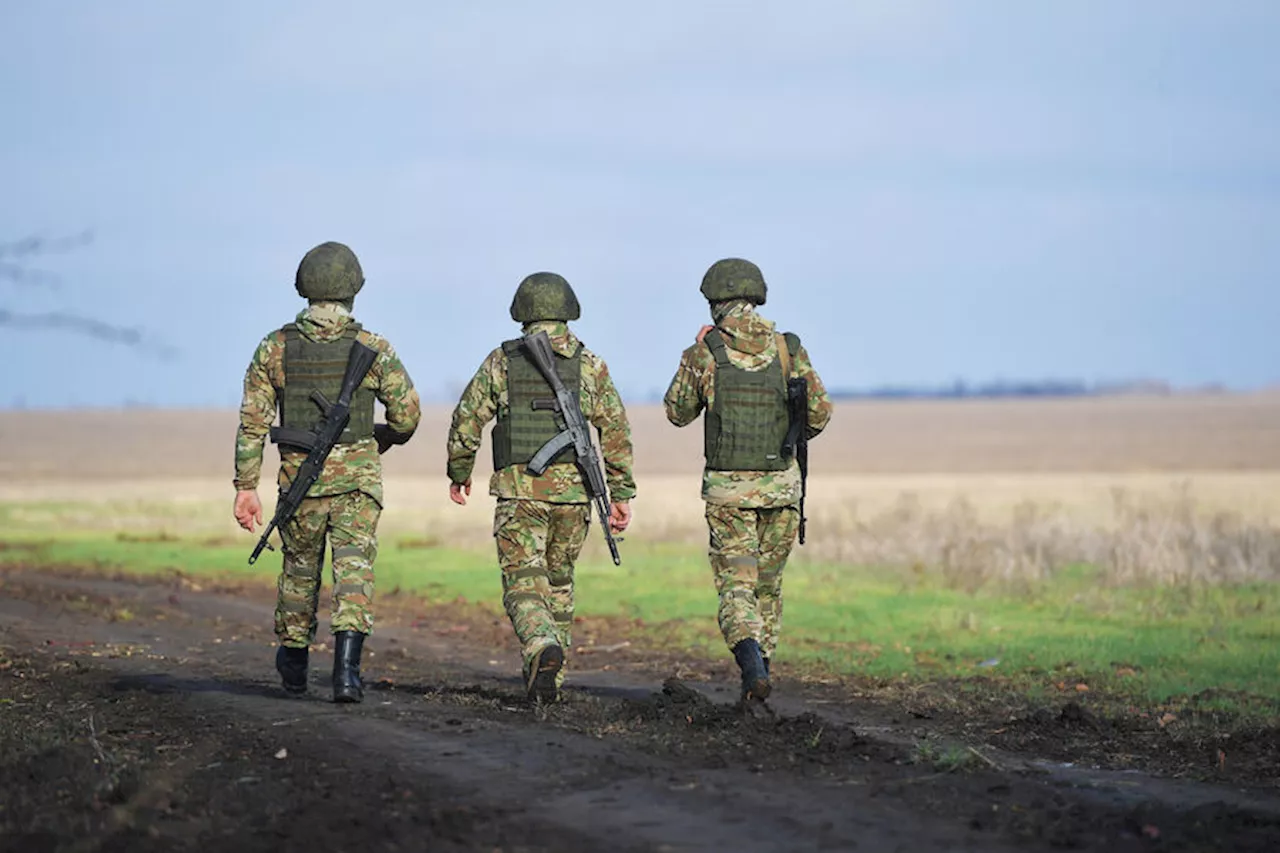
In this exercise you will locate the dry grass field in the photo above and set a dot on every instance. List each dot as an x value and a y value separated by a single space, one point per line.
1236 432
1178 487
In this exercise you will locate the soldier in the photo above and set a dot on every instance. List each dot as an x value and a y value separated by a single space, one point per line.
540 522
737 371
290 364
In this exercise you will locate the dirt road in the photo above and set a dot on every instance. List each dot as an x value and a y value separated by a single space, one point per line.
147 716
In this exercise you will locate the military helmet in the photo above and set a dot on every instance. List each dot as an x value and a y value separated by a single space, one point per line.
329 272
734 278
544 296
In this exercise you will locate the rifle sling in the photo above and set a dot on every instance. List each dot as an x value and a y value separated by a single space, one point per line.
784 354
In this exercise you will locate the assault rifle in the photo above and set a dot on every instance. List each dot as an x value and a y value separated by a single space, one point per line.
576 434
317 442
796 443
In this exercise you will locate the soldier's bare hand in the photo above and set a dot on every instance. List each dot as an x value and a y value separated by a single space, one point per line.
458 492
702 333
619 516
248 509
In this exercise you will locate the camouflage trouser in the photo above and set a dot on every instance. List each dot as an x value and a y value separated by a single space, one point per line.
749 549
350 522
538 543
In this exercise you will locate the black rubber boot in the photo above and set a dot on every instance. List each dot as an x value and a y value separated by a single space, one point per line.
346 666
291 663
542 675
755 677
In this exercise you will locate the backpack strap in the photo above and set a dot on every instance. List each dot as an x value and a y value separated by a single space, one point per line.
784 355
715 342
292 340
788 345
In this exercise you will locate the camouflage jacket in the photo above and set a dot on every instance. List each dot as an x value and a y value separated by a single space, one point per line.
350 467
752 344
486 395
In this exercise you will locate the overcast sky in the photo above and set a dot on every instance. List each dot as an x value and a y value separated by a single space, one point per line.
934 190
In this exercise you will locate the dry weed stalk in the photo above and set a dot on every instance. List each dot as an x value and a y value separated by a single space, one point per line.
1171 542
1148 540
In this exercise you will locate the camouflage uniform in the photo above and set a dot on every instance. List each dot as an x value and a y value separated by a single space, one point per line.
752 516
540 522
346 500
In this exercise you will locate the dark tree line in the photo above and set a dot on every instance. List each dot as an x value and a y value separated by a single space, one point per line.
1002 389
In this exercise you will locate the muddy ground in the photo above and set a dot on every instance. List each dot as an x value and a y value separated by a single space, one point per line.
147 716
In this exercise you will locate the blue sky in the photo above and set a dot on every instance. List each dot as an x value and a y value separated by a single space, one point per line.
934 190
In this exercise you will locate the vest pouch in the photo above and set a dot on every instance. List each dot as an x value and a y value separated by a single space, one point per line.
311 366
746 426
528 422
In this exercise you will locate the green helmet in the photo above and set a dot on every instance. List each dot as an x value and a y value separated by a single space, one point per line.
544 296
734 278
329 272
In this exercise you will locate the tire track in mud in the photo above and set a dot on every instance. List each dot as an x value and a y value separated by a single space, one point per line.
617 767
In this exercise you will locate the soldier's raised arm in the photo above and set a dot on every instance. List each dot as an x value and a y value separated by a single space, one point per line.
685 398
820 407
609 417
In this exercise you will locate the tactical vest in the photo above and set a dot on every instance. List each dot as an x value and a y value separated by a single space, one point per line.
319 366
529 421
746 426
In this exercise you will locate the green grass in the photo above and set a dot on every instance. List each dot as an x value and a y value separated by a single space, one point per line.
1144 645
948 758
